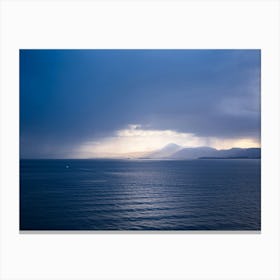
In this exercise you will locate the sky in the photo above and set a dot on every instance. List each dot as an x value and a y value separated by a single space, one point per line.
106 103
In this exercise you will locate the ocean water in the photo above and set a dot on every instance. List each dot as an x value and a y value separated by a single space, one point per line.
140 195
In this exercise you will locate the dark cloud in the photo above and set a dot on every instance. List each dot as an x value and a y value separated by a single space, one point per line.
71 96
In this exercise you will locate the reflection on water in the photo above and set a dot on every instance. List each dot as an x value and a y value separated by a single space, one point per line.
140 195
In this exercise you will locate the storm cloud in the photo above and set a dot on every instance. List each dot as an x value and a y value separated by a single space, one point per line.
68 97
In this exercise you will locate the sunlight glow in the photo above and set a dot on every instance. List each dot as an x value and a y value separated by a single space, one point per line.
134 141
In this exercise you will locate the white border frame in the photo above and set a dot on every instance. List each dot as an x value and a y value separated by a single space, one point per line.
139 24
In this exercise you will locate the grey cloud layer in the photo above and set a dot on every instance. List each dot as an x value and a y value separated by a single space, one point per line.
68 97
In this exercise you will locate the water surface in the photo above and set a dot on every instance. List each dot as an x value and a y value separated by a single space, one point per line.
140 195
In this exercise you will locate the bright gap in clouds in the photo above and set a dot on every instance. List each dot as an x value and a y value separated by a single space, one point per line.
136 141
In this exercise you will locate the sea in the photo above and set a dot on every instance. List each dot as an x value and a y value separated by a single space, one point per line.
141 195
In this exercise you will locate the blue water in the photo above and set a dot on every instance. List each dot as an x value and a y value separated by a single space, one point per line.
140 195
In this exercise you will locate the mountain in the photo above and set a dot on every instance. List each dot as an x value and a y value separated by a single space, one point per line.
165 152
174 151
193 153
238 153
